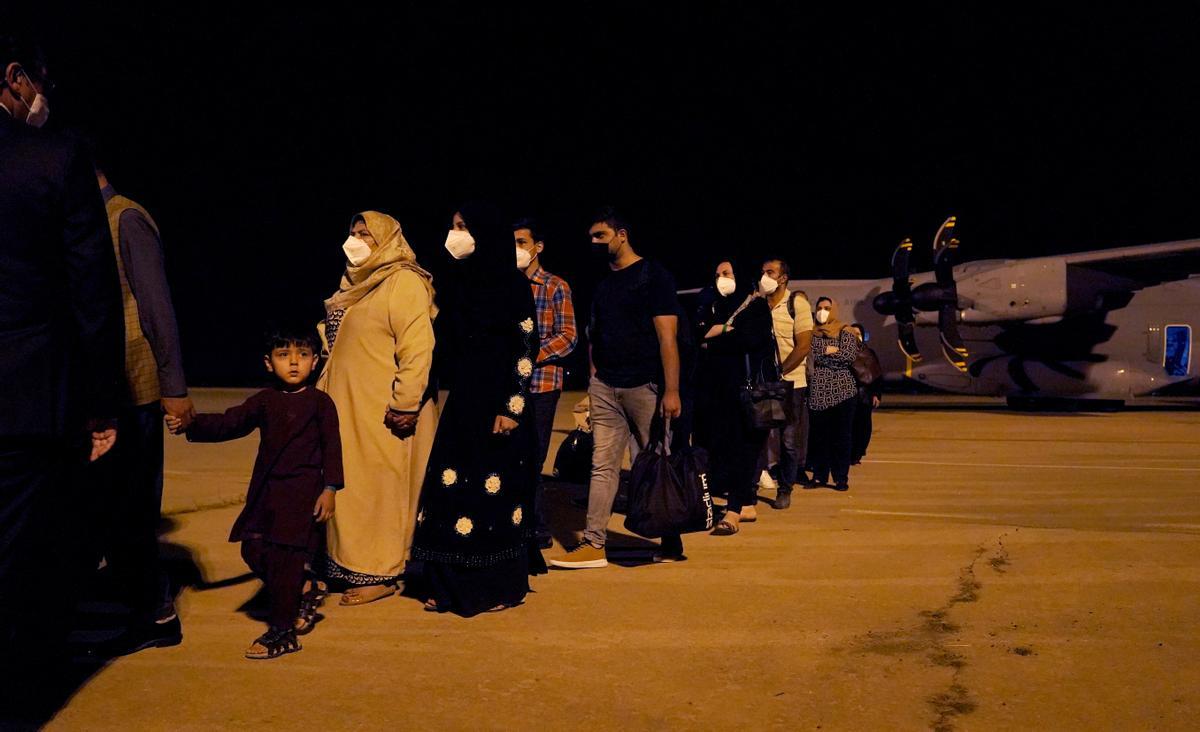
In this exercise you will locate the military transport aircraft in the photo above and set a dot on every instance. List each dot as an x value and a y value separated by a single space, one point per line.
1112 324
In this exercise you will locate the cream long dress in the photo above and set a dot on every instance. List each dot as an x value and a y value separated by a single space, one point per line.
380 359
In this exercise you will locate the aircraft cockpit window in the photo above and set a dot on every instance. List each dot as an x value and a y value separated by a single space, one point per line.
1177 350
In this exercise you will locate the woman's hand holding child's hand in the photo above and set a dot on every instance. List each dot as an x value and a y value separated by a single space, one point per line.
174 424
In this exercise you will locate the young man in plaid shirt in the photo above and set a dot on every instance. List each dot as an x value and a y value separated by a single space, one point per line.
556 327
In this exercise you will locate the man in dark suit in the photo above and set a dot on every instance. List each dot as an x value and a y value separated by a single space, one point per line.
61 351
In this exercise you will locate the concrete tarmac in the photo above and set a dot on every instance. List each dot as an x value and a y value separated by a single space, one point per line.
986 570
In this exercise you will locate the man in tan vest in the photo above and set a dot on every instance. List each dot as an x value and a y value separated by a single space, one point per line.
154 384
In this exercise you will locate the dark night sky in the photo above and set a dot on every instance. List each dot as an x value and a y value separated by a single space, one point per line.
741 128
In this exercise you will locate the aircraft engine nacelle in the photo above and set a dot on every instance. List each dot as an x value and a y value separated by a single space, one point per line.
1003 291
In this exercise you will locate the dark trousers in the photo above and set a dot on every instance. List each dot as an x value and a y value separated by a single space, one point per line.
793 440
281 569
544 406
734 465
830 445
41 544
862 428
42 557
133 478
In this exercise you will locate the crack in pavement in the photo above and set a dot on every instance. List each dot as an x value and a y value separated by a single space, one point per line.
930 638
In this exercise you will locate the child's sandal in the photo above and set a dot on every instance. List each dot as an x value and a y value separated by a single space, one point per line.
307 619
275 643
309 603
317 591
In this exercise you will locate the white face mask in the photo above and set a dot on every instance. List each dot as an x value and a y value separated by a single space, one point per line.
39 111
356 250
726 286
460 244
767 286
523 258
822 316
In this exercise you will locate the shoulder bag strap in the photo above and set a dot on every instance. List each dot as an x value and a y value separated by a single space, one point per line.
745 304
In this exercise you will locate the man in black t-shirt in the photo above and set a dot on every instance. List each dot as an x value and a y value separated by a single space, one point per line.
635 372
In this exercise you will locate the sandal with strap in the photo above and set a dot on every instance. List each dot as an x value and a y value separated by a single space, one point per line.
275 642
726 528
317 591
308 617
310 602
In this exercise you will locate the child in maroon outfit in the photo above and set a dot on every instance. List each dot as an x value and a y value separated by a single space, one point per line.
296 476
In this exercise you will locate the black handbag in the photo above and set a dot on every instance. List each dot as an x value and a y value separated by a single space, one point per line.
866 367
573 462
668 491
766 404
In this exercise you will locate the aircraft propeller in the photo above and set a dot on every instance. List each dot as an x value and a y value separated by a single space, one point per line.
899 303
940 296
944 247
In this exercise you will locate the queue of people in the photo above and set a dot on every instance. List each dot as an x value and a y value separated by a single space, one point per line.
833 382
363 483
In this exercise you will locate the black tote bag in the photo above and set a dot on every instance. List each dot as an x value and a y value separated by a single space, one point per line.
668 492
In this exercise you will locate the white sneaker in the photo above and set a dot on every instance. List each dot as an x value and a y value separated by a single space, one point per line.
766 482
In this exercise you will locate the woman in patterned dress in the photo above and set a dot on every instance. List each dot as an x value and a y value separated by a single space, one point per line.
474 528
832 394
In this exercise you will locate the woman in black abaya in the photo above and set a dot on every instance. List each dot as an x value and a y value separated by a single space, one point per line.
474 527
734 327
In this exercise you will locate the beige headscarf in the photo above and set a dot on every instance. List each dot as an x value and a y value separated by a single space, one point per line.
392 254
831 328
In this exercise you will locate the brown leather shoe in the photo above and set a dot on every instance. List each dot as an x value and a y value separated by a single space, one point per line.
583 556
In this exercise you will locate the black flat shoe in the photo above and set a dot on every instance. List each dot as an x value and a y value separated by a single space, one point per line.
140 637
842 486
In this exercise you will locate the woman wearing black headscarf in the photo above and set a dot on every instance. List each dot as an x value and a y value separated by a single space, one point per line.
474 527
735 330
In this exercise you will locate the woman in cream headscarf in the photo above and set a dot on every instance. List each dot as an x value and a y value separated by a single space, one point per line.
832 393
379 333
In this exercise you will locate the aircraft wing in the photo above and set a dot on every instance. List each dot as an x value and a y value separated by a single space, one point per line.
1146 265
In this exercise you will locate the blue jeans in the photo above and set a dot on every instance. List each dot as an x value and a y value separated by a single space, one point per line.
618 414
